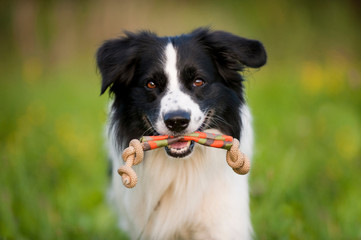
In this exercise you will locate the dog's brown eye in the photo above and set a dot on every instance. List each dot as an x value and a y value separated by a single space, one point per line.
151 85
198 83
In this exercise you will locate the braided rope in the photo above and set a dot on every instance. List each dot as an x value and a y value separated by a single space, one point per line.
237 160
134 155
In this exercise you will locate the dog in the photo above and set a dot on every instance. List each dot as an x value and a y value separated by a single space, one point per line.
173 86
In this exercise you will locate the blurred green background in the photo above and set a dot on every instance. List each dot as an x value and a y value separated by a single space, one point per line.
306 175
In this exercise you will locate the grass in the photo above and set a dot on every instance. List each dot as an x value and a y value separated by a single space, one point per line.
305 178
304 183
53 174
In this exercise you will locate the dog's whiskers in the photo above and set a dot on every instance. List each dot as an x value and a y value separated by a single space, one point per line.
150 130
218 119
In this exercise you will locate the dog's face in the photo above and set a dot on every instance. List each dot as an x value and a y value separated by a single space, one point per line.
177 85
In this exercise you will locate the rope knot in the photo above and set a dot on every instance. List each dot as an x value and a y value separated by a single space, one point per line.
132 155
237 160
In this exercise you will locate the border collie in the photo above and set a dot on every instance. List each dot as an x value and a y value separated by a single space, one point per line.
172 86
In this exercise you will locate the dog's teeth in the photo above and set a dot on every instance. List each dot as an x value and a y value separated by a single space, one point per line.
180 150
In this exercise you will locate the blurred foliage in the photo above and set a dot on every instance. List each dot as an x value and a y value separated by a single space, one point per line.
305 180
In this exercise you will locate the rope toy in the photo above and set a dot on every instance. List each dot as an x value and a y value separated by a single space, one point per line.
134 154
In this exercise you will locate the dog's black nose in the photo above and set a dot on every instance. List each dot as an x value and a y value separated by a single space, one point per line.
177 121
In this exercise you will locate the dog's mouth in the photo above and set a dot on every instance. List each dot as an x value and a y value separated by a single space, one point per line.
184 149
180 149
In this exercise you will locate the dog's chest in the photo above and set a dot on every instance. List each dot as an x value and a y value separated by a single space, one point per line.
171 193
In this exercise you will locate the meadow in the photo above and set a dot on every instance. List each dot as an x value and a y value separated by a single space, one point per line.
306 102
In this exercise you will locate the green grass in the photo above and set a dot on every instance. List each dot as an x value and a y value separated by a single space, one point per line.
304 183
306 175
53 174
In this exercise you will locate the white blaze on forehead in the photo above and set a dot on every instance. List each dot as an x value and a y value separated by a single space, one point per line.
171 66
174 98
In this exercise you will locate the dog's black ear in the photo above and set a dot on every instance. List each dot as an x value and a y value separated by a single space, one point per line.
116 60
231 51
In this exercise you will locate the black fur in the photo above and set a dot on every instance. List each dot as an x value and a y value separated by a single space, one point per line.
127 63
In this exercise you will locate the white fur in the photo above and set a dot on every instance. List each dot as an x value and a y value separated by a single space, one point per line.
174 98
197 197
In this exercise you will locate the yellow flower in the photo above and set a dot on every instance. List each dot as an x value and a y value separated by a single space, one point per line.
312 77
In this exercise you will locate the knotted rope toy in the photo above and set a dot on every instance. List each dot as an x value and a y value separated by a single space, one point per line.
134 154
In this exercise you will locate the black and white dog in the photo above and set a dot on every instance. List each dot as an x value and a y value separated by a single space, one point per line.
172 86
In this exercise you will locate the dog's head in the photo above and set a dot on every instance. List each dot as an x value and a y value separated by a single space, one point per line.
177 85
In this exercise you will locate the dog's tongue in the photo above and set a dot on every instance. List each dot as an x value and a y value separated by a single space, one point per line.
179 145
